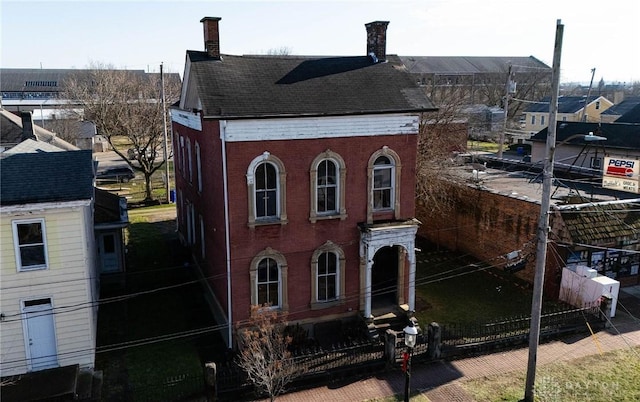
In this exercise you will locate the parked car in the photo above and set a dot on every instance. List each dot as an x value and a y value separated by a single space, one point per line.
118 174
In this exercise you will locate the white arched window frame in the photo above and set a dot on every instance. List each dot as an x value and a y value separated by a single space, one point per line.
260 189
182 158
327 276
384 172
198 167
326 183
268 279
189 161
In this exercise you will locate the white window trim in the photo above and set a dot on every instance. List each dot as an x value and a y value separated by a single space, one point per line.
198 167
282 277
281 191
395 182
182 158
16 245
340 276
341 211
202 237
189 161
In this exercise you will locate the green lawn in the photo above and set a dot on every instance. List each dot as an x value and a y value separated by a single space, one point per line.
157 309
613 376
457 289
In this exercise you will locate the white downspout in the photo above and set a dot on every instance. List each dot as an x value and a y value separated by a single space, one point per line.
223 137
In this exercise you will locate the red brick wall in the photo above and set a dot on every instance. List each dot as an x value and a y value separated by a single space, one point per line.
298 239
488 226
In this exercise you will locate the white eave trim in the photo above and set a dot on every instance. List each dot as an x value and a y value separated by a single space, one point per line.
321 127
43 206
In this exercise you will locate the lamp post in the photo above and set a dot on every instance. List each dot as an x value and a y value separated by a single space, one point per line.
410 337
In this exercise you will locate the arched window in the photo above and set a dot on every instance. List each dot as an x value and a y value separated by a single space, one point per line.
327 176
327 273
189 163
268 276
198 167
383 183
327 285
266 192
268 283
266 185
327 188
384 172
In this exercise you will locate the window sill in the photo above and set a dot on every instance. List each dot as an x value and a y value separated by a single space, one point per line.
268 223
314 219
327 304
36 268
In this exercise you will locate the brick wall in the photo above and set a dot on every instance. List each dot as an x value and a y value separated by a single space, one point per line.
488 226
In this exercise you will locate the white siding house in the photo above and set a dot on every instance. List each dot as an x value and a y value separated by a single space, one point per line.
47 262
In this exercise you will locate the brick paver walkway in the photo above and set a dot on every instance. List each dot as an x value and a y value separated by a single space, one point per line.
439 380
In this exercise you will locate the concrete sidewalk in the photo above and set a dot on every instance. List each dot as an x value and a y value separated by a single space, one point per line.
439 380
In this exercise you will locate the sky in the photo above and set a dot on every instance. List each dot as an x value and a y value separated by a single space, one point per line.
144 34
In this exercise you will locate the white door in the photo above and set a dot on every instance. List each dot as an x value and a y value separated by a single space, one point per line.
108 249
40 334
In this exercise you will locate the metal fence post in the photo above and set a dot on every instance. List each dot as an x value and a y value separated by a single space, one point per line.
434 337
390 340
210 372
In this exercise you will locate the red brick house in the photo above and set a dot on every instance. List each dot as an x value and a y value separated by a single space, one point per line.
295 179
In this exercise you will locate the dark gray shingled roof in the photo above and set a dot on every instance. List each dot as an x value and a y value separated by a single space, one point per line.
566 104
623 107
278 86
456 65
46 177
626 136
631 116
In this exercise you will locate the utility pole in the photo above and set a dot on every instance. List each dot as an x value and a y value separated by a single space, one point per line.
507 92
583 118
543 221
166 146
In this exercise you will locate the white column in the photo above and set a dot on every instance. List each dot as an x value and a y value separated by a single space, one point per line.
412 277
367 282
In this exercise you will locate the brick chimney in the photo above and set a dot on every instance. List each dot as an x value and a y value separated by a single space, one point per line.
377 39
211 36
27 127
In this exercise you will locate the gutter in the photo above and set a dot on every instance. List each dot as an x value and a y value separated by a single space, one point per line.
578 207
223 136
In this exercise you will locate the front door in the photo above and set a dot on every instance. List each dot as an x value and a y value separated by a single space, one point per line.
384 277
109 252
40 334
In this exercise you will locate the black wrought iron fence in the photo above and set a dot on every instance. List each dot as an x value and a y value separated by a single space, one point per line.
173 388
348 360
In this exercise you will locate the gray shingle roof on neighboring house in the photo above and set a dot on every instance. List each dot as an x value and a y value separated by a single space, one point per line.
294 86
631 116
11 133
566 104
46 177
453 65
602 223
623 107
624 136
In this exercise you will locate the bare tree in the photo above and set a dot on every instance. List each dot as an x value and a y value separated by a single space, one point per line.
443 134
264 353
126 104
280 51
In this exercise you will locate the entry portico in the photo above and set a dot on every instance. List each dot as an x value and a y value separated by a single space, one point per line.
373 237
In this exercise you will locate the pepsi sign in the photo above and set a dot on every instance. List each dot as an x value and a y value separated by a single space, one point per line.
621 174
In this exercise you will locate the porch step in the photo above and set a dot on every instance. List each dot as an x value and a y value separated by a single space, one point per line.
395 319
89 386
